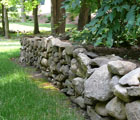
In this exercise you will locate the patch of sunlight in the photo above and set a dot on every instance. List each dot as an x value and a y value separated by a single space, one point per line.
10 48
45 85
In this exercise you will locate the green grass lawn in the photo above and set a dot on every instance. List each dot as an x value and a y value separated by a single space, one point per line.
23 99
48 25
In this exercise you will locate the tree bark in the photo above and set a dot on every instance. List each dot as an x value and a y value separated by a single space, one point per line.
84 15
36 24
58 21
6 23
3 24
23 15
99 4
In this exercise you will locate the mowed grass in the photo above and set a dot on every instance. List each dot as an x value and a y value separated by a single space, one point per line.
23 99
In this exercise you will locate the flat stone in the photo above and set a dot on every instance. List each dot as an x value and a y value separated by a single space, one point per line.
91 54
133 110
121 67
121 92
101 109
102 60
131 78
116 109
97 85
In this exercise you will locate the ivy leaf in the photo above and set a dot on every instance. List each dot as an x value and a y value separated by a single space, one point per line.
130 17
98 42
138 20
126 6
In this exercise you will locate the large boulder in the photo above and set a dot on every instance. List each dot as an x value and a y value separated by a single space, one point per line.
116 109
131 78
121 67
133 110
97 85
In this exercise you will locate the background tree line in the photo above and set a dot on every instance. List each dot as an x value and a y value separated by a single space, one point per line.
116 22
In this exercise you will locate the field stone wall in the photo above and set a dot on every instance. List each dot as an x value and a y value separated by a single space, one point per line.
107 87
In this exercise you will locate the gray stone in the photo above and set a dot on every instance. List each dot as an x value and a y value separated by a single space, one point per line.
91 54
74 65
121 92
44 62
93 115
101 109
69 50
80 101
70 91
78 85
133 110
99 82
88 101
65 70
79 50
90 72
71 75
84 59
121 67
60 78
131 78
68 84
114 81
55 42
133 91
80 73
116 109
102 60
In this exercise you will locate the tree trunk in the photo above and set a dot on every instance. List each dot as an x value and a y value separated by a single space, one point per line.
36 25
3 24
23 15
58 21
84 15
6 23
99 4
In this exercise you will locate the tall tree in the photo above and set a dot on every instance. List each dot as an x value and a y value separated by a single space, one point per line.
84 14
35 16
58 21
3 23
23 15
6 22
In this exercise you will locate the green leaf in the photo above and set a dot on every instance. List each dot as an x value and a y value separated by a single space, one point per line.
109 39
130 17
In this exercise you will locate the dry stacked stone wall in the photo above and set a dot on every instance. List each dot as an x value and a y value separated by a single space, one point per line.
107 87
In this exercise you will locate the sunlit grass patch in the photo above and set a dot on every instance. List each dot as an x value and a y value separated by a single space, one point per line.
21 98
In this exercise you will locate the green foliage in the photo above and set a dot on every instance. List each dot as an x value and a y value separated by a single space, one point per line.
116 22
73 6
83 37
